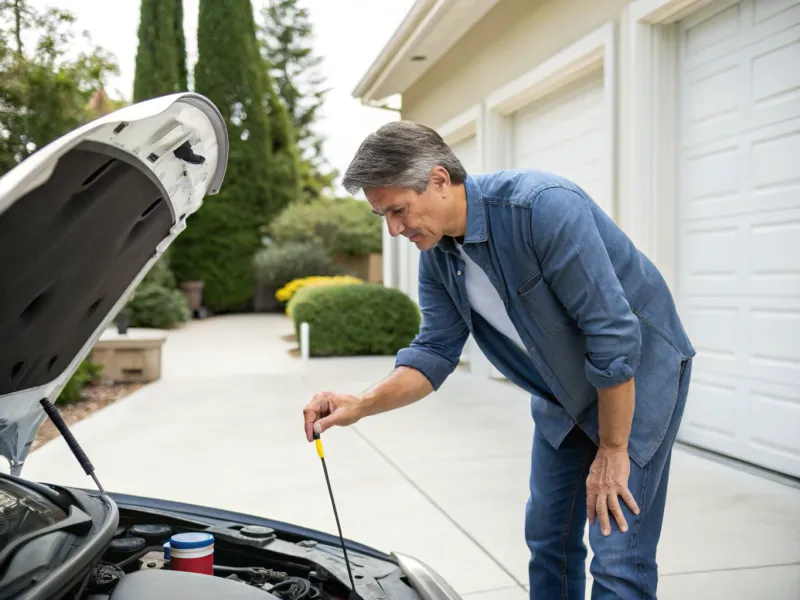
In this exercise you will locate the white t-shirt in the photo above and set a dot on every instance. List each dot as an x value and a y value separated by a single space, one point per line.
485 300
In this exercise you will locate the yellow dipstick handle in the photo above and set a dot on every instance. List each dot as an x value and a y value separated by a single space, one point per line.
318 442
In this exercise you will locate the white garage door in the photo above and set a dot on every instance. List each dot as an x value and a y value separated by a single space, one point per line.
567 133
739 233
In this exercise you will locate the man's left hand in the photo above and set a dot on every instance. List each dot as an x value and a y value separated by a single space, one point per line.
608 479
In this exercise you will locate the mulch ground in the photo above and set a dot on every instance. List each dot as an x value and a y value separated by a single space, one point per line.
95 397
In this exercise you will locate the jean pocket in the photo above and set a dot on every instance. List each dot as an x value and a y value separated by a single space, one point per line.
548 313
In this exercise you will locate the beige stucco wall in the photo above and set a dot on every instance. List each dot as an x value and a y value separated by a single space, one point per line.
513 38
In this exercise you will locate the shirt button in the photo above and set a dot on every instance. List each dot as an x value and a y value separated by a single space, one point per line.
458 272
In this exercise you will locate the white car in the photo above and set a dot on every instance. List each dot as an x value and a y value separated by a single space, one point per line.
81 222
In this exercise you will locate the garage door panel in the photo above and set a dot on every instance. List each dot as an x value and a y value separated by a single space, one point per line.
770 78
774 333
742 175
710 256
774 417
765 11
752 422
711 33
745 90
467 152
745 337
712 409
723 30
776 161
774 263
567 134
712 93
744 255
712 181
739 228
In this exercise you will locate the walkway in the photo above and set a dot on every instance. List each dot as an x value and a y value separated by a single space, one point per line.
444 479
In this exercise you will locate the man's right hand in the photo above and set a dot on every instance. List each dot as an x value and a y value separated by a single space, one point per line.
327 409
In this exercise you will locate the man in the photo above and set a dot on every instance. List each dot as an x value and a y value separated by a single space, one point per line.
564 305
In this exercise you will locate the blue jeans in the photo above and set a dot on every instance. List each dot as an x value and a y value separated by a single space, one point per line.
624 564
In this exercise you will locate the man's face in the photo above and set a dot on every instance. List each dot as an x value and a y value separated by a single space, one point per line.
419 217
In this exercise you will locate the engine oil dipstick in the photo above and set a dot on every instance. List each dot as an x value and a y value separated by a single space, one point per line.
321 453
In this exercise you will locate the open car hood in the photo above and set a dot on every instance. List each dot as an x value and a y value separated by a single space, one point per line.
82 220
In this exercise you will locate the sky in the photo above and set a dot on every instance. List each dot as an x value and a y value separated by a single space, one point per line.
349 35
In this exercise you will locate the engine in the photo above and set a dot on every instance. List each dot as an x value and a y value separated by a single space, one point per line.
136 566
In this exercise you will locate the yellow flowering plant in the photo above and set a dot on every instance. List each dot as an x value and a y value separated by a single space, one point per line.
287 292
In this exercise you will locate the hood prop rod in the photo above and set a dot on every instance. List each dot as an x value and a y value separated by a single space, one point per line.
321 453
73 444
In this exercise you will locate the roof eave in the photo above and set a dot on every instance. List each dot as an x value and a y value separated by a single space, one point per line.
430 28
404 31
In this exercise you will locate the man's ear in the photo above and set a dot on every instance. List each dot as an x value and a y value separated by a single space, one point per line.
440 178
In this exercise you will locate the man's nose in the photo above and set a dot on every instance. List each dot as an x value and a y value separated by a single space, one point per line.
396 226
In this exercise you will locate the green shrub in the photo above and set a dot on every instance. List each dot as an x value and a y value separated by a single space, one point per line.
161 274
153 305
352 320
86 372
342 226
278 264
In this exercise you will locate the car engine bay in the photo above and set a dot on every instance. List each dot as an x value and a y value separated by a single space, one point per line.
42 528
249 562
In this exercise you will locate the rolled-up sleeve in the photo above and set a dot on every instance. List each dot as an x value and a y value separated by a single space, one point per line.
436 349
578 269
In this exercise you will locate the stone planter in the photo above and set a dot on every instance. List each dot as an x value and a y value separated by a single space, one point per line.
132 357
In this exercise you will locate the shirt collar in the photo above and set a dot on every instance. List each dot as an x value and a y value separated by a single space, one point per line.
476 217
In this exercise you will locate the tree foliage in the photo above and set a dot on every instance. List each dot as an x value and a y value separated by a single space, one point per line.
342 226
223 236
161 55
44 93
285 38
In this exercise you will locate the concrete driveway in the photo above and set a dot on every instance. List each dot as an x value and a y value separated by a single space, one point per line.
444 479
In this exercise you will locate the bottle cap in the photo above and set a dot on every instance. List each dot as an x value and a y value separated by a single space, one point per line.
191 540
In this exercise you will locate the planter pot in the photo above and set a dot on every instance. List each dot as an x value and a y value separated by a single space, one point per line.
193 291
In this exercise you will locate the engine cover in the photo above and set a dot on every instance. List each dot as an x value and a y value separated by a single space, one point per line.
170 585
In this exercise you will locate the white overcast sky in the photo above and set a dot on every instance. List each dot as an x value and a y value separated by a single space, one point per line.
349 34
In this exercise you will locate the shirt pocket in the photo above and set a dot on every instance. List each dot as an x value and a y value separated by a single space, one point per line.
544 307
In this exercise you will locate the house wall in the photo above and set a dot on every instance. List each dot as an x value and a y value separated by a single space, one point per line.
672 84
513 38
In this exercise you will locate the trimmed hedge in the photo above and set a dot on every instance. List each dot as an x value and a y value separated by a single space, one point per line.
287 292
154 305
356 320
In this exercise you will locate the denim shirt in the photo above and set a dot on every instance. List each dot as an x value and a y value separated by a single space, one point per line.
591 309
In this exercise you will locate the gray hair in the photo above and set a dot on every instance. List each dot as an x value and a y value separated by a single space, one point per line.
401 154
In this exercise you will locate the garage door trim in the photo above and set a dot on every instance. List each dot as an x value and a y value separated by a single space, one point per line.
589 53
647 194
594 52
462 126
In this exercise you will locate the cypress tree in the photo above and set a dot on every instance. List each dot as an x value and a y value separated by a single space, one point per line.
161 56
285 35
222 237
180 44
285 179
